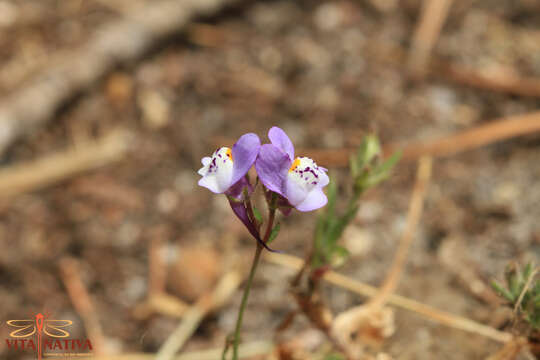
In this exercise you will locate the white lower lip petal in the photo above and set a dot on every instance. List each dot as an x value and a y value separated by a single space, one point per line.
217 172
305 175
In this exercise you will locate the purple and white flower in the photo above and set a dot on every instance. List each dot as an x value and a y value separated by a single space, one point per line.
224 171
299 180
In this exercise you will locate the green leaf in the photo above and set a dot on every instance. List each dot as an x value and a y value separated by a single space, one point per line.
274 233
332 196
353 166
515 286
502 291
527 271
257 215
366 171
516 280
367 151
382 172
389 163
339 255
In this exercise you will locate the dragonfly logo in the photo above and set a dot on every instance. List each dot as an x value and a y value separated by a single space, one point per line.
41 334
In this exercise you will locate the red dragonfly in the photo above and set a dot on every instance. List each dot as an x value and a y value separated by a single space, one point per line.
40 325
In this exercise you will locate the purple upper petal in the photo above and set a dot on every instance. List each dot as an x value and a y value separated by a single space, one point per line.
279 139
244 153
272 166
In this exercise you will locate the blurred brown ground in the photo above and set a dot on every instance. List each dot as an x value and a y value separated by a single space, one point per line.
327 73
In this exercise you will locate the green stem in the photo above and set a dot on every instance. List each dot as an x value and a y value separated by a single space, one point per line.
256 258
236 336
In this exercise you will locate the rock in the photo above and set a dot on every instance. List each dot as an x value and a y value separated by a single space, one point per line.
195 271
155 109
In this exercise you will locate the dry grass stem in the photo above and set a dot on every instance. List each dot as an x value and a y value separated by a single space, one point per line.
498 82
525 288
70 273
70 72
510 350
434 13
414 214
157 300
248 350
156 267
438 316
163 304
482 135
193 316
53 168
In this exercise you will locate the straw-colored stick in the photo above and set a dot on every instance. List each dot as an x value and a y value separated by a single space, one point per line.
248 350
53 168
192 318
429 312
414 213
434 13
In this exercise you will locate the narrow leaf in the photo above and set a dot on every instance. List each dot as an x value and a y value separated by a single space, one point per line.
353 167
367 151
382 172
332 196
257 215
502 291
274 233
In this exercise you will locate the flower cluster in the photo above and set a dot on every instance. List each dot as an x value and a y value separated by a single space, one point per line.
294 182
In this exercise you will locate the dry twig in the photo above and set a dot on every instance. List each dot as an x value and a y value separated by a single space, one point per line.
20 178
414 213
116 42
157 299
434 13
525 288
82 303
494 131
508 83
438 316
453 255
157 268
510 350
370 323
248 350
161 303
193 316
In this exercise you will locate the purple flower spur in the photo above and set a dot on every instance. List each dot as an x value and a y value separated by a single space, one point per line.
299 180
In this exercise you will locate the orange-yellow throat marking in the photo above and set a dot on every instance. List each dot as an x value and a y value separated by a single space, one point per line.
228 152
295 164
